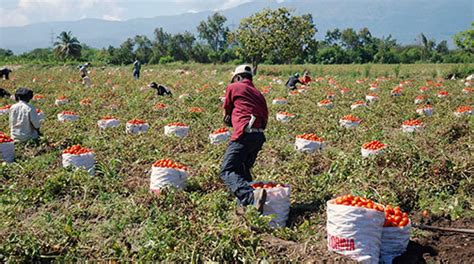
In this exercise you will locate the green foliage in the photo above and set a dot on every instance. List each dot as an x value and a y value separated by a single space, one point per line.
214 32
273 32
67 46
465 39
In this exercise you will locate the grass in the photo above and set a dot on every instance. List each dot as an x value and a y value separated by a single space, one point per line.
51 213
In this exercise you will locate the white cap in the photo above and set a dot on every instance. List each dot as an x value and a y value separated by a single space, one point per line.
242 69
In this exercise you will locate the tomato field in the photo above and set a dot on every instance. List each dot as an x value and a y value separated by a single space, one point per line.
48 212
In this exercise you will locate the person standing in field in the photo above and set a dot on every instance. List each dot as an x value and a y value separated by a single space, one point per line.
292 81
24 121
245 109
83 70
136 69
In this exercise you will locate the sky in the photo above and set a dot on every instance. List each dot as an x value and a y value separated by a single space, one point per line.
24 12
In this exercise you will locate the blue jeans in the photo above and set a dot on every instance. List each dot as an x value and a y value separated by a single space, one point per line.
239 159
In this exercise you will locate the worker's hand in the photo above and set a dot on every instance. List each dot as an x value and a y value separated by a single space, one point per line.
228 120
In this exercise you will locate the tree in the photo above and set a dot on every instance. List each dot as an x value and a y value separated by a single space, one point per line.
426 46
67 46
273 31
160 45
465 39
5 53
214 31
143 48
180 46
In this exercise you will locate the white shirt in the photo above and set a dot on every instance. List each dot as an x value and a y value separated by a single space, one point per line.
24 122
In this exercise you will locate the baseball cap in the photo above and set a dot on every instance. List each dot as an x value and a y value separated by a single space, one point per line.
242 69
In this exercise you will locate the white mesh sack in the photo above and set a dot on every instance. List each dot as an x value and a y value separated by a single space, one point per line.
355 232
7 150
308 146
219 137
278 204
177 131
81 161
108 123
136 128
161 177
394 242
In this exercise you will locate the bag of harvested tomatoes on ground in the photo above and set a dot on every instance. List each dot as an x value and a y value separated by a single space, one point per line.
166 172
309 143
80 158
354 228
177 129
220 135
7 148
277 202
395 234
136 126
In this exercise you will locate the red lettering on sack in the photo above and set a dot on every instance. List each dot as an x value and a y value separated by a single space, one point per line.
341 243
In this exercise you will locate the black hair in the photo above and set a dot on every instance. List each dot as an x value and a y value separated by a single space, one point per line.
23 94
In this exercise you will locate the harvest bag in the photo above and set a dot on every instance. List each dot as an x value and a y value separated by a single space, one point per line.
355 232
161 177
394 242
82 161
7 150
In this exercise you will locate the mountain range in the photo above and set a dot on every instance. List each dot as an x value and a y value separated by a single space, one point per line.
403 19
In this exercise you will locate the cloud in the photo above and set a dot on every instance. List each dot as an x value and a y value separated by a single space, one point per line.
33 11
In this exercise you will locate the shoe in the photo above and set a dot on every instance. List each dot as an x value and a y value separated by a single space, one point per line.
259 198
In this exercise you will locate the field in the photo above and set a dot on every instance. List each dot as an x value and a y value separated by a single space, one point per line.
51 213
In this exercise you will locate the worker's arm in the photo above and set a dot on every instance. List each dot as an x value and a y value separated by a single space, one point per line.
228 107
34 119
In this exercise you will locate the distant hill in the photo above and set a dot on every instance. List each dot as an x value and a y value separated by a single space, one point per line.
403 19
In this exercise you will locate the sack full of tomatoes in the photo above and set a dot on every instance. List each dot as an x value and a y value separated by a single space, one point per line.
166 172
177 129
220 135
136 126
354 227
309 143
80 158
395 234
108 122
277 202
68 116
7 148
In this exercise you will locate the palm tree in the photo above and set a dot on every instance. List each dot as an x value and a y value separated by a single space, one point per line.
67 46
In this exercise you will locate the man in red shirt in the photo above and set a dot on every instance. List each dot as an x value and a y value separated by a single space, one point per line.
246 111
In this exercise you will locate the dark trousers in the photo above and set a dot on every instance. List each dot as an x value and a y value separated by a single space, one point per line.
239 159
136 74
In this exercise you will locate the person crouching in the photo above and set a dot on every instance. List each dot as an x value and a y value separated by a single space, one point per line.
160 89
24 121
246 111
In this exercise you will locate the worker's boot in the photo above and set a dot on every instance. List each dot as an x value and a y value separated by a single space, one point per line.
259 198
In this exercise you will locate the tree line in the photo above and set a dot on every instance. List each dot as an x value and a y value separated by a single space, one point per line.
270 36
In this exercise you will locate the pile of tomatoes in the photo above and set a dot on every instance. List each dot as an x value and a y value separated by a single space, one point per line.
395 217
167 163
443 93
359 103
374 145
325 102
86 101
373 95
177 124
310 136
221 130
4 138
464 109
136 122
286 114
358 201
108 118
268 185
68 113
413 122
195 110
351 118
62 97
77 150
160 106
5 107
38 97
